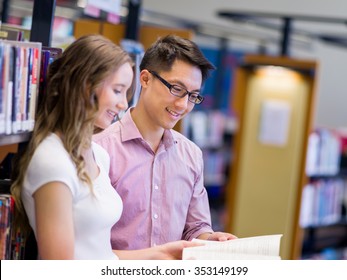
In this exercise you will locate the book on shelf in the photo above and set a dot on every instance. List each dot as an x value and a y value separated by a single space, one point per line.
323 153
12 243
264 247
6 211
322 202
48 55
19 75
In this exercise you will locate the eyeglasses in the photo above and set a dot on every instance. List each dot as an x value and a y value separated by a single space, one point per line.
179 91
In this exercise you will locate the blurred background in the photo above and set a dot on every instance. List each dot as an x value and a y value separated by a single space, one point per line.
314 205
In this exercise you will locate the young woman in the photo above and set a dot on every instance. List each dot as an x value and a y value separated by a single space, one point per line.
62 188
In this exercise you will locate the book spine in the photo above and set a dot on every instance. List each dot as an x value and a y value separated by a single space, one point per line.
9 91
24 88
29 88
2 88
5 227
34 87
16 113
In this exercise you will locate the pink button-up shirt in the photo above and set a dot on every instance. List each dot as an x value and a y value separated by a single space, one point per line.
163 195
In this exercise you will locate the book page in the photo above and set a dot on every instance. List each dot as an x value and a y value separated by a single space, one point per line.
258 247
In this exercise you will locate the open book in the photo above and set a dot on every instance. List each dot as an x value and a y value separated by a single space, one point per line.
266 247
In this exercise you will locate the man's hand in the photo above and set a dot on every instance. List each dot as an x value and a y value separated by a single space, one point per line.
217 236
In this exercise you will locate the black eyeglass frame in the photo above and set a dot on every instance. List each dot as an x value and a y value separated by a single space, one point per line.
198 97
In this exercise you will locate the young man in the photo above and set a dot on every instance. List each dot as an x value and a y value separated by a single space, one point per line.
157 171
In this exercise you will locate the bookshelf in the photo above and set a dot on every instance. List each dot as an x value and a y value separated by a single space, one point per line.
14 138
273 100
20 69
20 61
213 131
325 242
29 56
323 216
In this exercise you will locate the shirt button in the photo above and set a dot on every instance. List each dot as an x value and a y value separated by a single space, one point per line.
156 187
155 216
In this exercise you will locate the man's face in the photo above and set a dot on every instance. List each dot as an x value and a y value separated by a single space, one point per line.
164 108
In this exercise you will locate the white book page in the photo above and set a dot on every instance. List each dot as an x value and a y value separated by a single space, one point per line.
197 253
258 247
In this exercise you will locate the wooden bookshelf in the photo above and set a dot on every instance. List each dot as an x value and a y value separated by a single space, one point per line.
14 138
266 177
40 32
116 32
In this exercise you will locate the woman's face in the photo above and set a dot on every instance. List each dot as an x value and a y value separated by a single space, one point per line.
112 95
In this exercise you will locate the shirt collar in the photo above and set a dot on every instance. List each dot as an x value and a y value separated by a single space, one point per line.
128 128
129 131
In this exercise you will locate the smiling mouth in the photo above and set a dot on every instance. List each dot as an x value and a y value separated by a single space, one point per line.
112 114
173 113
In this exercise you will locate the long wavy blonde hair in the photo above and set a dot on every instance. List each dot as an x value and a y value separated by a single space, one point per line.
69 106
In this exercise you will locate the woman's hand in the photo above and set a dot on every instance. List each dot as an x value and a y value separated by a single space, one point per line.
169 251
172 250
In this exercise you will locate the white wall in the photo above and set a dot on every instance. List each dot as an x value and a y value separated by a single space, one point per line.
331 103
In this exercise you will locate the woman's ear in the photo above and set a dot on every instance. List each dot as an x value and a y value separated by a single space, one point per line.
93 97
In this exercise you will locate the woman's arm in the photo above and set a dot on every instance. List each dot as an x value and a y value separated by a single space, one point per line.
168 251
54 222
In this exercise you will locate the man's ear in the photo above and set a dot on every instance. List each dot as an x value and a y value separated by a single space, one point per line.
144 78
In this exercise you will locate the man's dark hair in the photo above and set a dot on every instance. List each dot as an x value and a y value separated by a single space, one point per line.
165 51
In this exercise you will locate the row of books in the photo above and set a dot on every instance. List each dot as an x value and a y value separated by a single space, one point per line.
323 153
212 131
208 128
19 78
323 202
215 165
48 55
11 243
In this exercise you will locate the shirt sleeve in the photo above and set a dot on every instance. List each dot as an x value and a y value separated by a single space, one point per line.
51 164
198 217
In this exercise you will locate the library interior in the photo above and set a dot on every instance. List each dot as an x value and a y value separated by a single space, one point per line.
272 127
